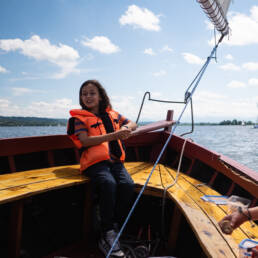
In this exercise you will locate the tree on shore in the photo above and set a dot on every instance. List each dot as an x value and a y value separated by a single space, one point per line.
235 122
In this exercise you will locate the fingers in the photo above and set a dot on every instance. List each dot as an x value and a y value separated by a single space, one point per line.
233 220
123 134
225 224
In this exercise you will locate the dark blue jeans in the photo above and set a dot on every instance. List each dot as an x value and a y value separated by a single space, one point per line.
115 189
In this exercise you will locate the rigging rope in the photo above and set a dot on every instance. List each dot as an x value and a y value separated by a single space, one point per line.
188 97
168 187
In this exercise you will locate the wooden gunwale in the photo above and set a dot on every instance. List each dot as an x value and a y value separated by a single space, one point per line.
187 189
139 173
24 145
18 146
247 179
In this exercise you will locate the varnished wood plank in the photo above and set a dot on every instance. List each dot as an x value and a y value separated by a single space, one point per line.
209 237
249 232
211 210
137 167
20 192
31 176
24 184
18 185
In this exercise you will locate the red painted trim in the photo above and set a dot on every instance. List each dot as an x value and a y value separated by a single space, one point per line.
147 139
214 160
170 115
15 230
11 164
136 151
240 167
190 168
213 178
50 158
231 189
14 146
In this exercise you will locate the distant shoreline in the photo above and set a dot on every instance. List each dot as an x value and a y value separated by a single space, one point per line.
31 121
37 121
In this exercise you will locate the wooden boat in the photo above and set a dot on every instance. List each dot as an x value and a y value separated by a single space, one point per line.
48 210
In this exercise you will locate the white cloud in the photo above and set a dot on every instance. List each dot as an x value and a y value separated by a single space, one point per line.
3 70
89 57
56 109
25 78
253 81
208 106
244 28
166 48
160 73
251 66
152 111
156 94
126 105
63 56
22 91
153 94
140 18
229 57
230 67
212 105
149 51
192 59
101 44
236 84
4 103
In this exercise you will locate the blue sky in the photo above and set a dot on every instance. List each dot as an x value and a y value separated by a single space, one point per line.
49 48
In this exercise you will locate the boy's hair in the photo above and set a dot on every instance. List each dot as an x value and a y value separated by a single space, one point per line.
104 102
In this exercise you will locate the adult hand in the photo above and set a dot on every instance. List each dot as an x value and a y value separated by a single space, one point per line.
255 252
235 219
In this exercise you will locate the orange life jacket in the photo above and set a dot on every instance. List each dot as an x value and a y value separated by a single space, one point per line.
94 125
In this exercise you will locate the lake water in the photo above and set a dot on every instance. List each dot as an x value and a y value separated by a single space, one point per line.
237 142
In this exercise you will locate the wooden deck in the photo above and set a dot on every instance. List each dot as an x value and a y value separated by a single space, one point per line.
19 185
202 216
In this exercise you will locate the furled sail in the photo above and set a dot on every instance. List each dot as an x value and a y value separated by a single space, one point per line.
216 10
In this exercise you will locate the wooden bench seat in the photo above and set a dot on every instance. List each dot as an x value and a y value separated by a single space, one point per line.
202 216
19 185
16 187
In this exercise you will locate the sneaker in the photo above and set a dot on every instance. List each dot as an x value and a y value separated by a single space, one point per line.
106 242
